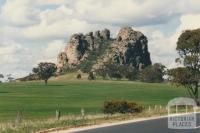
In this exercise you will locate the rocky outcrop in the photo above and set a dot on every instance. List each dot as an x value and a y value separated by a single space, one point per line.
62 60
129 48
79 47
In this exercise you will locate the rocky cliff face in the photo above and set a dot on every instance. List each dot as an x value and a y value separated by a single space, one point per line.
79 46
129 48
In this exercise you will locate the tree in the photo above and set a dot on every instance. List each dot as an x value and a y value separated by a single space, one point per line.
188 47
45 71
101 71
1 76
153 74
91 76
111 70
115 70
10 78
131 73
182 76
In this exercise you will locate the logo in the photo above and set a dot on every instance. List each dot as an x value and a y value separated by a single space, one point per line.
182 113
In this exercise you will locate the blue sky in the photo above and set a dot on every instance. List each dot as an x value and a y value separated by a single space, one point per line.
2 2
34 31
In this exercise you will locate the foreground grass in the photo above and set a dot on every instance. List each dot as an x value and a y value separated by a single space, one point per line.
73 121
37 101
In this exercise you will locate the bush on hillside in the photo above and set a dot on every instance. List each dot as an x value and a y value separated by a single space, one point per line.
131 73
102 72
78 76
123 107
111 70
91 76
153 74
86 66
117 71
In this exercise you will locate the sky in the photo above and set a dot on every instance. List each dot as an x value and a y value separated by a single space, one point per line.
32 31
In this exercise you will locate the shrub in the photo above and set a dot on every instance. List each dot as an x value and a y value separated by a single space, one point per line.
102 72
91 76
131 73
86 66
78 76
115 71
123 107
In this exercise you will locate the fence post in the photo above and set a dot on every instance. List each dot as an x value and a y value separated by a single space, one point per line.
58 115
82 113
155 108
186 108
149 109
18 117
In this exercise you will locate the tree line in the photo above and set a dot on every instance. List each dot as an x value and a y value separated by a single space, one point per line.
153 73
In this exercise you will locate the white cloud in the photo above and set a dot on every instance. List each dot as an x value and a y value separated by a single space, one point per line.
53 24
53 2
19 61
19 12
11 57
83 15
134 12
49 17
6 48
163 48
119 12
188 21
51 52
59 29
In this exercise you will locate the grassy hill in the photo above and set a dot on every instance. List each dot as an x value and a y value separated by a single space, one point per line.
69 76
38 101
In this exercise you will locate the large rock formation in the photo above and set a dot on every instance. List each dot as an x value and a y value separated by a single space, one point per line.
129 48
79 46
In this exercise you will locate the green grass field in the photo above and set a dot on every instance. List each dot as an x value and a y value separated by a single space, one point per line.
38 101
